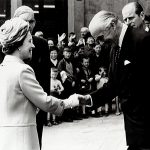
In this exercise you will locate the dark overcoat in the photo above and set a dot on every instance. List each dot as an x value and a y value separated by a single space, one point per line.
129 78
41 65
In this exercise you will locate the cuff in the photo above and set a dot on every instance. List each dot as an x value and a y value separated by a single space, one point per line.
89 102
60 109
71 102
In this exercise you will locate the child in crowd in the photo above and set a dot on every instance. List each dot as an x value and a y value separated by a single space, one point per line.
67 72
53 56
86 80
89 47
50 43
56 89
100 57
101 78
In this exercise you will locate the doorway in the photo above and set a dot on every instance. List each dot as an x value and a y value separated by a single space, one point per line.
51 16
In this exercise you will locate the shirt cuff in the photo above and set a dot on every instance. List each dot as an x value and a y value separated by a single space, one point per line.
60 109
89 101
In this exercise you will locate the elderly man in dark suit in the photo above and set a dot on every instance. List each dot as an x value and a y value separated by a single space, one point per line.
128 55
40 61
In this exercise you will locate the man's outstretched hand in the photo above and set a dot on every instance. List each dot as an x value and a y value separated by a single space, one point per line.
76 100
85 100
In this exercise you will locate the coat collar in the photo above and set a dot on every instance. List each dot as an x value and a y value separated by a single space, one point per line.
10 58
123 31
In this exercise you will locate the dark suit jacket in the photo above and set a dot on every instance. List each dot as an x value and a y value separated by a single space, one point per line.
41 65
41 62
129 82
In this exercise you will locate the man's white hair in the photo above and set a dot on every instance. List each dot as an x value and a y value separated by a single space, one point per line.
101 21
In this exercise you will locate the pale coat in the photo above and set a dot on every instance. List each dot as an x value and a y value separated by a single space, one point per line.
20 95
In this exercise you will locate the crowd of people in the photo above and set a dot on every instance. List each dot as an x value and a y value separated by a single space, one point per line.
80 66
82 76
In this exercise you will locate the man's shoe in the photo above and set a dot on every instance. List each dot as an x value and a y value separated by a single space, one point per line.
68 120
118 113
49 124
77 118
85 116
106 114
54 123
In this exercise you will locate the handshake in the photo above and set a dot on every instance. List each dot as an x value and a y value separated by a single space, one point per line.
78 99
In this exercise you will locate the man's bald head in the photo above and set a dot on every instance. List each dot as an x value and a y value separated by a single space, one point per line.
101 22
133 14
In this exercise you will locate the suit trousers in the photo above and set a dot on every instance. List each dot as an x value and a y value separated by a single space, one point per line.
137 148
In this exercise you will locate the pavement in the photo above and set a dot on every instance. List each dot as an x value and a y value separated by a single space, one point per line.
104 133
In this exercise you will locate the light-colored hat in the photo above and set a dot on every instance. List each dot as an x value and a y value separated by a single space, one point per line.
13 31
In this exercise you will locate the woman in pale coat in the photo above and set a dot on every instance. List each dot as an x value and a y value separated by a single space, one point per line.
20 92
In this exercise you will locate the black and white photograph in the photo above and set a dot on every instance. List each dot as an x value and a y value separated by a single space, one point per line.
71 74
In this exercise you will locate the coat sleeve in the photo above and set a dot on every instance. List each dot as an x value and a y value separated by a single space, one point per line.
103 95
35 93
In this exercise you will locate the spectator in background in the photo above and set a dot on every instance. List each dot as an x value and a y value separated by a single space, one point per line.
53 56
97 58
50 43
39 34
56 89
85 82
84 34
100 40
68 77
147 19
72 41
89 47
53 64
101 78
147 22
62 43
67 71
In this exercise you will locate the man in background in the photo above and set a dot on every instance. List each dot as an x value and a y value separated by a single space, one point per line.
134 16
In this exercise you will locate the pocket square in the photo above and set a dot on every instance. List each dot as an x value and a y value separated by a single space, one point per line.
126 62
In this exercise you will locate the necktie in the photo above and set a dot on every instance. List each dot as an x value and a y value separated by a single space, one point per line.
117 54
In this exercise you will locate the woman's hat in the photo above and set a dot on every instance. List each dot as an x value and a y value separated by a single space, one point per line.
13 31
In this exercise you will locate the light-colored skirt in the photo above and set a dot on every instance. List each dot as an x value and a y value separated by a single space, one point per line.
19 138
